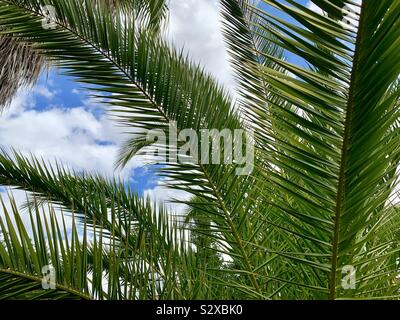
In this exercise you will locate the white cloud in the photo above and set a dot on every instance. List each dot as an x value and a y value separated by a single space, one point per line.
20 103
74 136
45 92
84 141
195 26
166 196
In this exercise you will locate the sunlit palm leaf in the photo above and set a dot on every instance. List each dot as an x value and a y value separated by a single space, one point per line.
329 174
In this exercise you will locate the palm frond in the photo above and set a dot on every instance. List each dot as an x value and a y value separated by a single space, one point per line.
149 87
322 98
20 67
87 262
332 160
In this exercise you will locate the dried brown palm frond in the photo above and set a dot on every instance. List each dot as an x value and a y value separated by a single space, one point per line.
20 66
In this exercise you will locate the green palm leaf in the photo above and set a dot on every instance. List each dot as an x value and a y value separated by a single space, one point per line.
331 162
323 101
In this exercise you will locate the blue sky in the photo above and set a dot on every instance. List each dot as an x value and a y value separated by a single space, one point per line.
55 91
56 119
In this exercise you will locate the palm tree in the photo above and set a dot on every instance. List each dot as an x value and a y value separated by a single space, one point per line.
21 66
314 220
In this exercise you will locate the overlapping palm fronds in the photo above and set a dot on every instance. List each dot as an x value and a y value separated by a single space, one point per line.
322 99
328 164
20 66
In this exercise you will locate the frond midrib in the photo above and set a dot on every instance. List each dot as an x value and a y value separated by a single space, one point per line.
134 82
39 281
99 50
234 231
345 153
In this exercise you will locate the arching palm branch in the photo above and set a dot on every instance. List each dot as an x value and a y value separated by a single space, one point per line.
322 99
20 66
